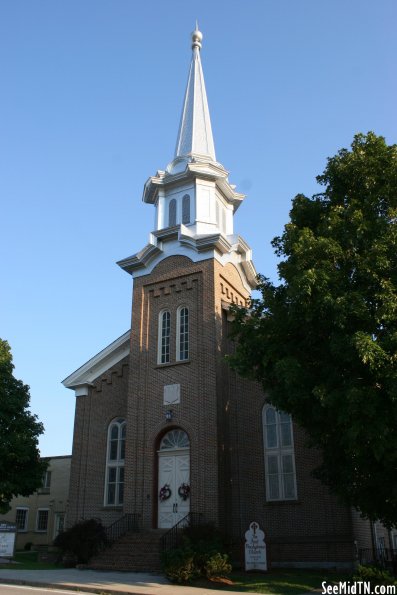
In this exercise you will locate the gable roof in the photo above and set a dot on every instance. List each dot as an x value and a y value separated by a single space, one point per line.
84 376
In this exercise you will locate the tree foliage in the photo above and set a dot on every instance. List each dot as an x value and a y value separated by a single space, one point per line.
21 470
323 342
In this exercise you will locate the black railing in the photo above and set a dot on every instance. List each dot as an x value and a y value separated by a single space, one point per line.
172 538
383 557
128 522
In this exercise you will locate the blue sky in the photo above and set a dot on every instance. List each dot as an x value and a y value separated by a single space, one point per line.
90 101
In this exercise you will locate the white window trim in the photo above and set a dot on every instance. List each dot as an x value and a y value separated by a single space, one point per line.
57 515
278 451
47 476
160 337
37 520
26 508
117 463
178 334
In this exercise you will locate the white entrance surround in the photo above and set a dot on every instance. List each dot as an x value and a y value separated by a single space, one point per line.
174 472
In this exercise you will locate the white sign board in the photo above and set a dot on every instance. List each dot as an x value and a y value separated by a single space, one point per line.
255 548
7 540
172 394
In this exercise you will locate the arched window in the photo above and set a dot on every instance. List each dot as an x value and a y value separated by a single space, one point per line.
175 439
186 209
114 488
279 455
163 356
182 340
172 213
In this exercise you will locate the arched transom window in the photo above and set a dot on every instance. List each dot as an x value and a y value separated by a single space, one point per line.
279 455
114 488
175 439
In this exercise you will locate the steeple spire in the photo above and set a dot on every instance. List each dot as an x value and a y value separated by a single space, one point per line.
195 133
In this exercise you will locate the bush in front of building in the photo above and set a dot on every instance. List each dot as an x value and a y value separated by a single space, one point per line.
203 552
374 575
179 564
82 541
217 565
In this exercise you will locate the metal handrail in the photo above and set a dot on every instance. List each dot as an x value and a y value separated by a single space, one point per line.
171 538
128 522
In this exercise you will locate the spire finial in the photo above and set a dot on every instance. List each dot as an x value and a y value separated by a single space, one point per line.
197 38
195 133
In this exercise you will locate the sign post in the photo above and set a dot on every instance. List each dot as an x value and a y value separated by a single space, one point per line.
255 548
7 539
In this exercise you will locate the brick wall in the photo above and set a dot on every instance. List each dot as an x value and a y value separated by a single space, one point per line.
222 414
174 282
106 400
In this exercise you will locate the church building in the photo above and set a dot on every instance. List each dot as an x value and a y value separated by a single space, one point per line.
163 427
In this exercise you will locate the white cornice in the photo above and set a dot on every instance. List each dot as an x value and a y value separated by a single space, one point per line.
174 241
195 169
83 377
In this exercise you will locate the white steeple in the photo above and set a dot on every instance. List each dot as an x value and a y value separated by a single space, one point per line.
193 198
195 133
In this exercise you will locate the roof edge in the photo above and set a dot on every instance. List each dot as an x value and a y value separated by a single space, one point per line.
102 361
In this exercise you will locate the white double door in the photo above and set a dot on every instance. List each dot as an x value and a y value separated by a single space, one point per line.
174 470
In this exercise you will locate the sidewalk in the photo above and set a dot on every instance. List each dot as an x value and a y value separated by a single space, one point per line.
94 581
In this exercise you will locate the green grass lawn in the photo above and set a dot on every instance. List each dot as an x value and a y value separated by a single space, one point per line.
277 582
28 561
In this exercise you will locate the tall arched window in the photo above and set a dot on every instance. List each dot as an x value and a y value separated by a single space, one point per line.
114 488
279 455
163 356
172 213
186 209
182 341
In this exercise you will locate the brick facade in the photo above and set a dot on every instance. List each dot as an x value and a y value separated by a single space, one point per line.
221 413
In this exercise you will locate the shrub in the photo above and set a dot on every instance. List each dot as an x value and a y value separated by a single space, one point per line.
179 565
28 546
374 575
82 541
202 553
217 565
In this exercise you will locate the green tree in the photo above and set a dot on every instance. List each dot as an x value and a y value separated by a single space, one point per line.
21 470
323 342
